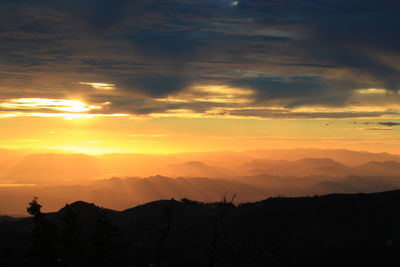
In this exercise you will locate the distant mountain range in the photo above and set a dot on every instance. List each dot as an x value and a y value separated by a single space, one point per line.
61 168
323 166
251 175
121 193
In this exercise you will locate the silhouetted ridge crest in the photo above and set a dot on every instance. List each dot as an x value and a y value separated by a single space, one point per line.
152 205
6 218
82 207
197 232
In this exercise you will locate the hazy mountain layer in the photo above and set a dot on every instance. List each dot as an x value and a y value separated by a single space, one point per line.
57 168
59 178
123 193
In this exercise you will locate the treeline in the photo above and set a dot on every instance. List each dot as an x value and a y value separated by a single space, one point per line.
71 243
334 230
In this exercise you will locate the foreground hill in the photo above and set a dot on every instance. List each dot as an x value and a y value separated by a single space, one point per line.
330 230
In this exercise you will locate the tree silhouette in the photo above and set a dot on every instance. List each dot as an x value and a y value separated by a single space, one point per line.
44 250
34 208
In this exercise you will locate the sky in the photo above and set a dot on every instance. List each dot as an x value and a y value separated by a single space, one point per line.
165 76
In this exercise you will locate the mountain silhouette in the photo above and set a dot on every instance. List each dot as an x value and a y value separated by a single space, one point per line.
328 230
298 168
379 168
18 167
343 156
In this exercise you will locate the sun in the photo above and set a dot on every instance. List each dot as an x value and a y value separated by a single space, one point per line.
64 105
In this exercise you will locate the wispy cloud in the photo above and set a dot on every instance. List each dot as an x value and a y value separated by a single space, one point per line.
100 86
378 129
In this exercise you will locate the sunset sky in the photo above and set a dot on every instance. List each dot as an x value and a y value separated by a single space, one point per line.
164 76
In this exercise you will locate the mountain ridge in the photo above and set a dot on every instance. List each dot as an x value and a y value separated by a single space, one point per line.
310 230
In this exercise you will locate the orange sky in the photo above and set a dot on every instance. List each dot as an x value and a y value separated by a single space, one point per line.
167 135
73 124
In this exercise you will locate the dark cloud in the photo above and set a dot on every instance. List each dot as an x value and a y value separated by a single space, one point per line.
184 46
288 114
385 123
389 123
298 90
104 14
180 46
305 52
155 85
347 34
146 106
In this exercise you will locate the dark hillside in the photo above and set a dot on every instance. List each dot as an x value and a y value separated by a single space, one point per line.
330 230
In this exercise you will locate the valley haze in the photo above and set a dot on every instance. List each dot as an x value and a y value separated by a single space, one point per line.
120 181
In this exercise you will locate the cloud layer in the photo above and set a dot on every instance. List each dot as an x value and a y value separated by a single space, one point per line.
138 56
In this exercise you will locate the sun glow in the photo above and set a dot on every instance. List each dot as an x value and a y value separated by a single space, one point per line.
67 116
47 104
44 107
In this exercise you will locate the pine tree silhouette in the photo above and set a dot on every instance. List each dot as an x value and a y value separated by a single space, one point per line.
44 251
